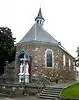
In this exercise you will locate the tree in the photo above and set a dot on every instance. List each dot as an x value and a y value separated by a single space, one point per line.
7 49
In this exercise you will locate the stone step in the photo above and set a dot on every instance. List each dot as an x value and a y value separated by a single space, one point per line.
49 88
57 88
56 91
53 88
55 94
44 92
47 91
50 93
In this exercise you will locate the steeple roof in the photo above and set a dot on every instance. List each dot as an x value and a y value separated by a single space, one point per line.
39 16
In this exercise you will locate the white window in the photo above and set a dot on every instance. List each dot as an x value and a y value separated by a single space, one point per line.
69 64
64 60
49 58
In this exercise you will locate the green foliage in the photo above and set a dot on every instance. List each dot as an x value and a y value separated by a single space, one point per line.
71 92
7 49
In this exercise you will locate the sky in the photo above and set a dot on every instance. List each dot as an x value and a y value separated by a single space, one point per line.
61 19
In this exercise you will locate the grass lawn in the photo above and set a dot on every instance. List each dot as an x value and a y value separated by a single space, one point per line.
71 92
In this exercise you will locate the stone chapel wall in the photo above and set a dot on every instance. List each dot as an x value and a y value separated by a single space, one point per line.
37 51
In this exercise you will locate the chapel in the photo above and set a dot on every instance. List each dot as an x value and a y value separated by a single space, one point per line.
39 54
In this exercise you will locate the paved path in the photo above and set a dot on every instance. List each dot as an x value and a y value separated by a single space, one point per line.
64 85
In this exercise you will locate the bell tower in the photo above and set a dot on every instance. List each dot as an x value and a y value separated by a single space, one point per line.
39 19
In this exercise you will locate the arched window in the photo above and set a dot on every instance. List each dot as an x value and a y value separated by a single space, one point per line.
49 58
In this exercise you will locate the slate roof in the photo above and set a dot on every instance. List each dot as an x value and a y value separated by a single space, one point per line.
37 33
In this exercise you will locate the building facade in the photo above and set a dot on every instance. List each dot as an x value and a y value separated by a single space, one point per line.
45 56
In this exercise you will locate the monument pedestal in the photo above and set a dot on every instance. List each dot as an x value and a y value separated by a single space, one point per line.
26 77
20 77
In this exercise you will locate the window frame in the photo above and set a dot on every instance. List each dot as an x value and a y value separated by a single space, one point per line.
46 58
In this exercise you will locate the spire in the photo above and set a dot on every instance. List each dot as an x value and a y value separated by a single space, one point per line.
39 19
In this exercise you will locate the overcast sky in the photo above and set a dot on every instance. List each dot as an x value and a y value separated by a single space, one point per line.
61 19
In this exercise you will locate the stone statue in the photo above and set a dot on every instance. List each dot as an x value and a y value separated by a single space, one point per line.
24 71
27 68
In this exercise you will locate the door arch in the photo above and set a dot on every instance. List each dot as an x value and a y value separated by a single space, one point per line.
20 55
